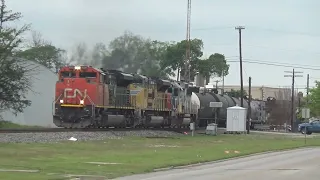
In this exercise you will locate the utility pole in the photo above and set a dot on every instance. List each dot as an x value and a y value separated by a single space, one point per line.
293 75
217 81
188 50
239 28
222 90
249 108
308 78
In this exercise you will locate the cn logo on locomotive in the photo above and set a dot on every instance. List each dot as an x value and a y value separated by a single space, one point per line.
75 92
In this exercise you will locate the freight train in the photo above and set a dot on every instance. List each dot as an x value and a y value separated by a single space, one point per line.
88 97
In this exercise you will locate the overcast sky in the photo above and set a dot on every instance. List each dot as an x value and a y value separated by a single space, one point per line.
282 31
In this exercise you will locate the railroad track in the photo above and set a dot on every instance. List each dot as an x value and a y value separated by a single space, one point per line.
38 130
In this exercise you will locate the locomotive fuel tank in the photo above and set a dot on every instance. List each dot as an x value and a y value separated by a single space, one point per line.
154 121
113 120
186 121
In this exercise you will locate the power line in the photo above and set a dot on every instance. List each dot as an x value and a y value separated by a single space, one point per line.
258 28
314 78
212 28
282 63
272 48
284 31
277 65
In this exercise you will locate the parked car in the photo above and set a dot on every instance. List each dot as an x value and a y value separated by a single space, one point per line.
309 128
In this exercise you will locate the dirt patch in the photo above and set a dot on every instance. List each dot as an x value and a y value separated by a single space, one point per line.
84 177
162 145
79 175
19 170
103 163
161 137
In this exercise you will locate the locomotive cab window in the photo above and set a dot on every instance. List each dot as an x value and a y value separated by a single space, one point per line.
67 74
87 74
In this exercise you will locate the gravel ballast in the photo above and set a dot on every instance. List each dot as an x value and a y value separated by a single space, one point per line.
80 136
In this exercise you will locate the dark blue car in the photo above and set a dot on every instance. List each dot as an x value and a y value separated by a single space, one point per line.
309 128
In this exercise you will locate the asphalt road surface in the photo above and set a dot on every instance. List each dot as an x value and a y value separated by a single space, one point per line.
287 165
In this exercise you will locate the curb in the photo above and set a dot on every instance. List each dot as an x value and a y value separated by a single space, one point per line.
228 159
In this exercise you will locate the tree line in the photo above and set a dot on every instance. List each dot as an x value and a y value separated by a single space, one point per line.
130 53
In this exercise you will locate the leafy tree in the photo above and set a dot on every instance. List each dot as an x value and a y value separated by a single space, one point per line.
215 65
80 55
98 53
314 99
37 40
43 52
116 60
236 93
154 53
15 73
126 52
176 55
133 54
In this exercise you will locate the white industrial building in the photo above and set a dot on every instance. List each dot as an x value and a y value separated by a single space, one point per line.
42 97
257 92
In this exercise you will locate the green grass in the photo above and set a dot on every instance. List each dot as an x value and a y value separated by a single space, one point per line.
136 155
7 125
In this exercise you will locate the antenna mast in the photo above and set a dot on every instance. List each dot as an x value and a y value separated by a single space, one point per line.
188 60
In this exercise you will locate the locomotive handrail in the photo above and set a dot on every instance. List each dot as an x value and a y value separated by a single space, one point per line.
54 101
93 106
53 104
90 100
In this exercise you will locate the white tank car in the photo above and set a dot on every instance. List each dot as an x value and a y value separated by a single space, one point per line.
195 100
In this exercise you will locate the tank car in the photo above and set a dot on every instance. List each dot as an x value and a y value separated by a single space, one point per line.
184 110
207 115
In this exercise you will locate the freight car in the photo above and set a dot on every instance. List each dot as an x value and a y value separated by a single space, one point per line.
89 97
206 114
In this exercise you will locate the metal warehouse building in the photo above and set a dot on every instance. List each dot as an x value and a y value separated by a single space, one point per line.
40 111
260 92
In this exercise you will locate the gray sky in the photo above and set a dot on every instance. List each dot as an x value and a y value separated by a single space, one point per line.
283 31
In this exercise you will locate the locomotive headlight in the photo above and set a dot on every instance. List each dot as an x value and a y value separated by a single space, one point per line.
81 102
61 101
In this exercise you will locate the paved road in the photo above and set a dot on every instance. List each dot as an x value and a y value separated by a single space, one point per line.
296 135
288 165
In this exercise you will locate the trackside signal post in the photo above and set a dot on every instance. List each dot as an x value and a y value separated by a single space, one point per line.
192 128
249 108
305 115
215 106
